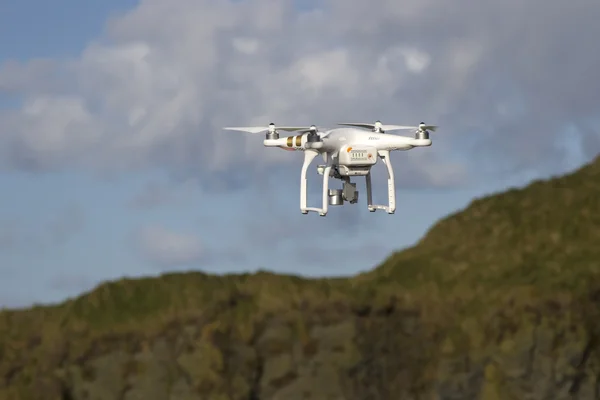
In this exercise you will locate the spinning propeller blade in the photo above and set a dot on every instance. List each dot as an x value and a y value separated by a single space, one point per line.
380 126
424 127
270 128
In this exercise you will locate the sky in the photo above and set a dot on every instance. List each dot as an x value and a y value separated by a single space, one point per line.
113 162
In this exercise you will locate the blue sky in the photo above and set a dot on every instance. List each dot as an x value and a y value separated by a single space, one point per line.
53 31
69 225
33 200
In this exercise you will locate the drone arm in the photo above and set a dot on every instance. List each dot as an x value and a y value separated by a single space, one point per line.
391 207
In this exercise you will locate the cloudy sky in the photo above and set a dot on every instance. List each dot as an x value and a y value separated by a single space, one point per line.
113 163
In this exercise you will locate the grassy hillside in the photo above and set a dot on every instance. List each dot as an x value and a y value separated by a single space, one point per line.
499 301
544 238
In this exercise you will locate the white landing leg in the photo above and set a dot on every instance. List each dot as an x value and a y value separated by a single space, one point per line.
391 207
369 193
309 156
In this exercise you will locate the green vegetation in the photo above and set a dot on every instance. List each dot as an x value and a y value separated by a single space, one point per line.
499 301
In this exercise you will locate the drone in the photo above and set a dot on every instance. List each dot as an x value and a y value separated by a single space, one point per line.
348 151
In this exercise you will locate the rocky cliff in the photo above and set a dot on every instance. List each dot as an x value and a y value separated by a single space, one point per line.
499 301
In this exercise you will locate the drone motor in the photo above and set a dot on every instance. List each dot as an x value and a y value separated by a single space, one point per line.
313 135
378 127
422 134
423 131
272 132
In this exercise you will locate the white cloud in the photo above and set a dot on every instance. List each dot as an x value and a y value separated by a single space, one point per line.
169 249
246 45
165 77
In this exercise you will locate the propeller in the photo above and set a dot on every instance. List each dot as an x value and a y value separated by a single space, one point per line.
423 127
310 129
379 127
271 128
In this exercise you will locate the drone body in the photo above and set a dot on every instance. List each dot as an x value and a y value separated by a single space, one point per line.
347 152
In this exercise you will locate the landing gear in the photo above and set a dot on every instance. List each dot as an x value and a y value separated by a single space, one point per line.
391 207
309 156
336 197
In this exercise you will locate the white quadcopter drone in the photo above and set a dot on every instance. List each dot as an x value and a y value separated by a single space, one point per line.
347 152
